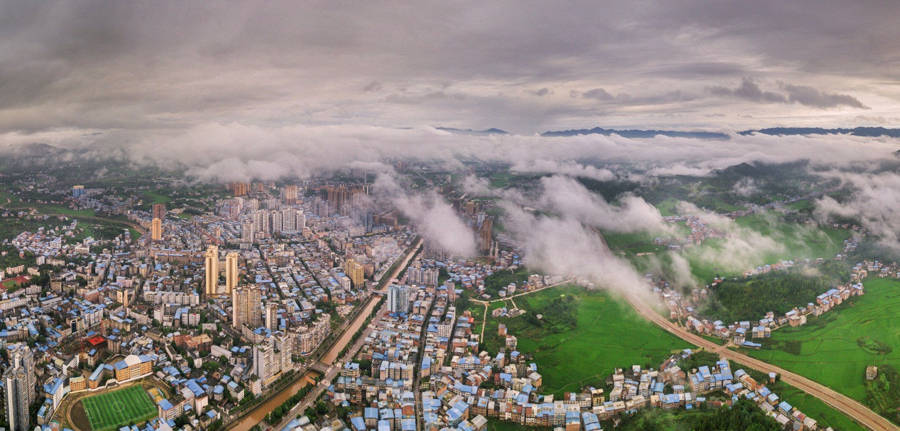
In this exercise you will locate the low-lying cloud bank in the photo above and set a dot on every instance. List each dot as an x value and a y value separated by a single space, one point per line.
433 217
240 152
563 237
875 203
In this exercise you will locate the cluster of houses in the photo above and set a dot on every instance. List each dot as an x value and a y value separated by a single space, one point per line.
742 333
470 391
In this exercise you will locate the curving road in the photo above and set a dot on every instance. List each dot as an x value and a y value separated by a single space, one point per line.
840 402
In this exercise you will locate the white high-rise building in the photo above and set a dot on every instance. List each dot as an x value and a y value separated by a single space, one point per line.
398 299
271 316
277 221
261 222
272 357
18 383
247 231
289 220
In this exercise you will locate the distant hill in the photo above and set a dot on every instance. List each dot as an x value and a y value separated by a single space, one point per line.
491 131
856 131
637 133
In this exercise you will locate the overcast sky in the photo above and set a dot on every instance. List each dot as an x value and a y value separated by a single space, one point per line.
128 70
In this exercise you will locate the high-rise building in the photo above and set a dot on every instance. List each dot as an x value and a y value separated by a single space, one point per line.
246 301
398 299
156 229
261 222
271 316
159 211
289 194
239 189
77 191
276 221
232 274
19 382
247 231
272 357
211 265
289 220
485 236
311 336
299 221
355 272
418 275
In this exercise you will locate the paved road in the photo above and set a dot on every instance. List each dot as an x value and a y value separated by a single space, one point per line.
334 367
844 404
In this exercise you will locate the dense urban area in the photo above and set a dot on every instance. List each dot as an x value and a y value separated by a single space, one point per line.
312 305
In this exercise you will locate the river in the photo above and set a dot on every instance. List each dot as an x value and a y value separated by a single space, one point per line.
259 413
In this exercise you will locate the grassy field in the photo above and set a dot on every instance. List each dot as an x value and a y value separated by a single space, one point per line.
155 197
813 407
583 348
835 348
110 410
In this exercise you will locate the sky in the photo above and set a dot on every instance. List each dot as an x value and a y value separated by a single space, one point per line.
140 72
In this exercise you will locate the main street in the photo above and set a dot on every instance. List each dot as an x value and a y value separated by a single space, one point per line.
842 403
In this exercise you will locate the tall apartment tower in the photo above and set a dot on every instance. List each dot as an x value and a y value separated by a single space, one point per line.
485 236
289 194
19 381
271 316
211 264
247 232
159 211
232 273
398 299
355 272
156 229
246 301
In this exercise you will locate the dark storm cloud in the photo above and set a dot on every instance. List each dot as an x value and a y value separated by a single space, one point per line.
802 94
749 90
809 96
132 69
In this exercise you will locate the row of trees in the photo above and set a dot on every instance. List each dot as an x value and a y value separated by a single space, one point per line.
278 413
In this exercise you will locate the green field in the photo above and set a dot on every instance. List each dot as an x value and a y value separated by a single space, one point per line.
111 410
813 407
580 342
155 197
835 348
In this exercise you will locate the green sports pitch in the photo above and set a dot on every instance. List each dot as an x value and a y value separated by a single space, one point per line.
111 410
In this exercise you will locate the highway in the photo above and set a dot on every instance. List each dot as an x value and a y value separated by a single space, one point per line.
850 407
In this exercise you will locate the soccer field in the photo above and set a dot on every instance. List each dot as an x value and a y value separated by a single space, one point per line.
111 410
